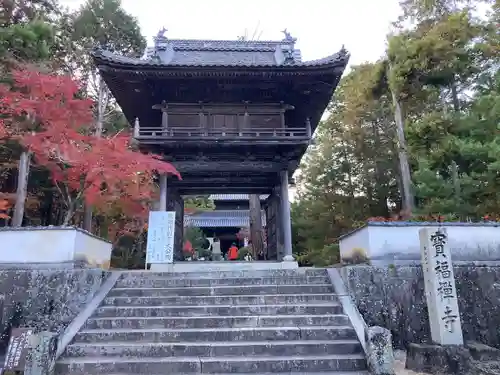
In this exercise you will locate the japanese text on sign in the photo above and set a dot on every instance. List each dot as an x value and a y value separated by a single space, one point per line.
440 289
161 231
18 349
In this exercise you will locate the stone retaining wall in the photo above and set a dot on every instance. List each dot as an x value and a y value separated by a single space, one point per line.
393 297
47 299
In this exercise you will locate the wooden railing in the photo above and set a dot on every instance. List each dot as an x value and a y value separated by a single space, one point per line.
152 133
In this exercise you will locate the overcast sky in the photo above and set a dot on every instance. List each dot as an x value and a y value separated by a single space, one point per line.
321 26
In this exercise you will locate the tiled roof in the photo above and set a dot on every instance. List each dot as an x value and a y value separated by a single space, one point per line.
181 52
220 219
234 197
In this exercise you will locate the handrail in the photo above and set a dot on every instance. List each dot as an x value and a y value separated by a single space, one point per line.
175 132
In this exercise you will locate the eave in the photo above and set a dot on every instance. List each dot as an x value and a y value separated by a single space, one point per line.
109 62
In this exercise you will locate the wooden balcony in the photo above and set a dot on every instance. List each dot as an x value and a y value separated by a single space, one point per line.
151 135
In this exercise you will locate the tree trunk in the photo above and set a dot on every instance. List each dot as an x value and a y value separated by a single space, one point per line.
454 97
68 216
22 189
454 165
256 226
101 106
87 217
408 199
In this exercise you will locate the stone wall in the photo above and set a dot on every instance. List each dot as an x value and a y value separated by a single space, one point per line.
393 297
47 299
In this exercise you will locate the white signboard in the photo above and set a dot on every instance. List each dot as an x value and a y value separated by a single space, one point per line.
161 231
440 288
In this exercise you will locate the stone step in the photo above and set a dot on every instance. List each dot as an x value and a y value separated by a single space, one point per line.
168 281
222 290
228 274
218 321
225 310
271 299
216 349
218 334
211 365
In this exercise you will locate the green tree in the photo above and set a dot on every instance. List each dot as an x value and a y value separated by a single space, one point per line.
351 173
26 37
199 203
104 24
434 98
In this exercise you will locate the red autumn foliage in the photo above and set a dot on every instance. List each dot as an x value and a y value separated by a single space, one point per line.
46 115
4 207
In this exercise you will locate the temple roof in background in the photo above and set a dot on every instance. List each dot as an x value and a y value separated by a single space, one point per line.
220 219
234 197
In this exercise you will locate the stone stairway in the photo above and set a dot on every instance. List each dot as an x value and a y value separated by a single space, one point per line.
226 322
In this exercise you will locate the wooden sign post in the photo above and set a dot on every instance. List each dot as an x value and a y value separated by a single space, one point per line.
17 351
161 231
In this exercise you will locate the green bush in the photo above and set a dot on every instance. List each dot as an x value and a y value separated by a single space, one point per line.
328 255
242 252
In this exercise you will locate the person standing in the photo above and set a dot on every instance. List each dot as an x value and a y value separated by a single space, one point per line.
233 252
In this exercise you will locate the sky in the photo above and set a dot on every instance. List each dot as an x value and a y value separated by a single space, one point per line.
320 26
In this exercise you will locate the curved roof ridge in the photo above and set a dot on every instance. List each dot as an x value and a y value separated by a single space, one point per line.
101 55
283 41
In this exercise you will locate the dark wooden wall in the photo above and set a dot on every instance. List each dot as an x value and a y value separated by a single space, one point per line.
226 117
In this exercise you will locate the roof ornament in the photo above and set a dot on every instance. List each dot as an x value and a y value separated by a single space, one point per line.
288 36
343 52
160 41
161 33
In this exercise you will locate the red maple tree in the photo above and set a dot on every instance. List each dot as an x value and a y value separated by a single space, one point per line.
47 115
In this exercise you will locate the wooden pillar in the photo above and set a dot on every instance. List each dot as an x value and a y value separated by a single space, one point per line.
256 233
286 220
202 117
164 115
282 115
137 128
246 120
272 226
163 193
176 203
163 107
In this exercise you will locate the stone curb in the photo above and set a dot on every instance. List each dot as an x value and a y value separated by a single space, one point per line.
80 320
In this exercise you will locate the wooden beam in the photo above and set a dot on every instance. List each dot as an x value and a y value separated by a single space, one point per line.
227 166
223 183
179 142
202 190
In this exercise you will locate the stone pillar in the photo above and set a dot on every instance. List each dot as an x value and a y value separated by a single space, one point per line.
440 288
380 356
286 220
42 355
163 193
